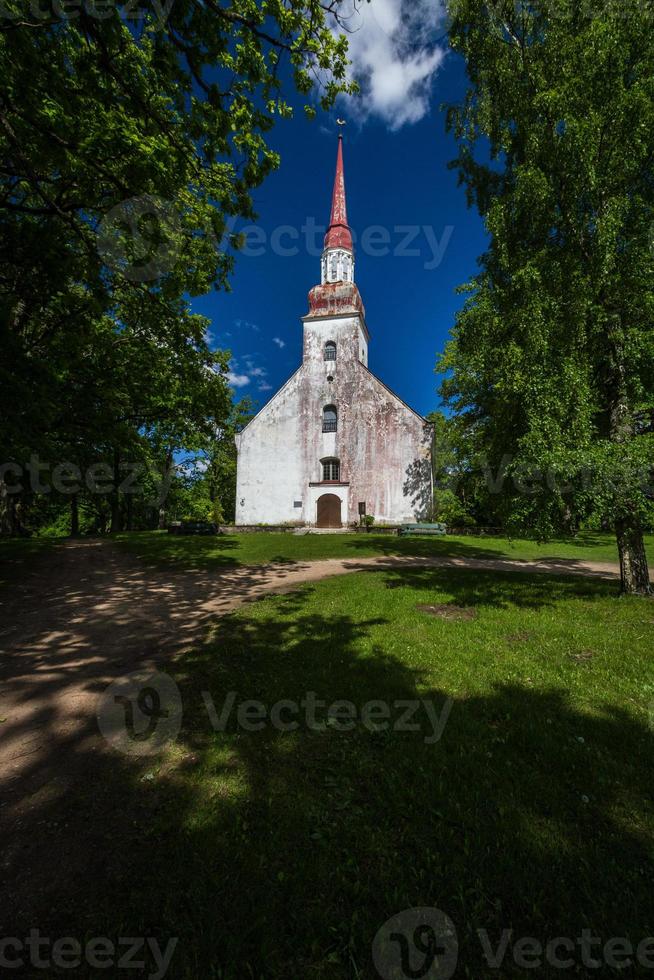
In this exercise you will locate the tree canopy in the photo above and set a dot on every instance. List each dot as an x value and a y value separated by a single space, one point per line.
551 365
130 135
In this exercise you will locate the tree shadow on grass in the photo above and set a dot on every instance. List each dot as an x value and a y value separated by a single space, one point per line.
280 854
181 551
420 547
500 590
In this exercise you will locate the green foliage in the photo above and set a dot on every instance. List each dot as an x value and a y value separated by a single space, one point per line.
452 474
129 146
449 510
551 365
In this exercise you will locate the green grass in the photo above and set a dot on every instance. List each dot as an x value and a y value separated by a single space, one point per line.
259 548
279 855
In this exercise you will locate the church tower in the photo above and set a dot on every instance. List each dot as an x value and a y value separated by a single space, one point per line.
334 443
337 296
338 255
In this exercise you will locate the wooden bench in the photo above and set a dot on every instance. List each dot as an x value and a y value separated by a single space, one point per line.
192 527
438 529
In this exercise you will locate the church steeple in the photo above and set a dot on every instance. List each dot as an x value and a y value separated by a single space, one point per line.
339 234
337 293
338 255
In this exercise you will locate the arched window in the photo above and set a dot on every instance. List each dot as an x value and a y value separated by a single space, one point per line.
329 418
330 351
331 469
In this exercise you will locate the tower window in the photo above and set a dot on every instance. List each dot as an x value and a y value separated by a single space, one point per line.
329 418
330 351
331 469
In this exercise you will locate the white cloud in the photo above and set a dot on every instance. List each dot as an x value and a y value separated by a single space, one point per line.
238 380
251 366
395 53
264 386
246 325
280 343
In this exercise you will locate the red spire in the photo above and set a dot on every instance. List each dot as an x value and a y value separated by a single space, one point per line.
339 234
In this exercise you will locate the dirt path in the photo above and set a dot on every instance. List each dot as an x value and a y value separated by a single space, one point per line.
89 612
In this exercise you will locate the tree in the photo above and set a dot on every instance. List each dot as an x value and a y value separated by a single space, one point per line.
147 134
452 503
129 144
551 364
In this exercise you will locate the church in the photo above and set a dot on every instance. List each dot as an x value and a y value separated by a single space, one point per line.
335 443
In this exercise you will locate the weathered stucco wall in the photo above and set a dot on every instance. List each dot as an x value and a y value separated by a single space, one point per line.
383 446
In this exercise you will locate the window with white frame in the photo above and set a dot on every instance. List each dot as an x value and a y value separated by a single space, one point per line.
331 469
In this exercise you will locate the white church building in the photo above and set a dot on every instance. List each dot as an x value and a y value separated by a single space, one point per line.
334 442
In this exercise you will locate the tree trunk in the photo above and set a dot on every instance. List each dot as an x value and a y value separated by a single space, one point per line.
165 487
130 512
116 524
14 517
74 516
5 518
634 569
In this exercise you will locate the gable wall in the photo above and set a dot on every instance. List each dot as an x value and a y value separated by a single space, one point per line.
383 446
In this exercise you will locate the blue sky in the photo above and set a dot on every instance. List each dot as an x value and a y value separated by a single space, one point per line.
396 156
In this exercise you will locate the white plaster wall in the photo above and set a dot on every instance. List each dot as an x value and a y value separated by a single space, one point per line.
383 446
270 475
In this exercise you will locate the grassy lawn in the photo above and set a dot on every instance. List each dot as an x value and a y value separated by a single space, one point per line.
257 548
279 855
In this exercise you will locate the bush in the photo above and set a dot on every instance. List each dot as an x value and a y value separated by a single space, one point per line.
449 510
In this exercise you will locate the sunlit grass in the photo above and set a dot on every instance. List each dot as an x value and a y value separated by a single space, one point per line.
259 548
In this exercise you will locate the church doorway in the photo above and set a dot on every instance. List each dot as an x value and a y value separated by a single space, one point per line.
329 510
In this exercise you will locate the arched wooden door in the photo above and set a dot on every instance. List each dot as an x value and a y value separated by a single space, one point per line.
329 511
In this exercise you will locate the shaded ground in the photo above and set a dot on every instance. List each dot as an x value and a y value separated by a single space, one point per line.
87 612
82 826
